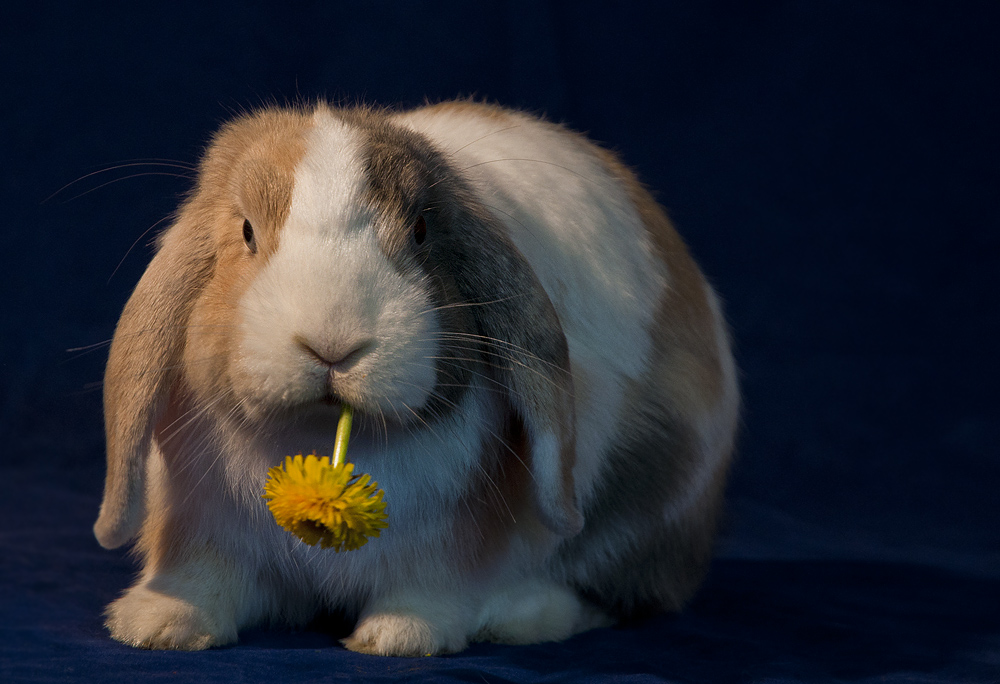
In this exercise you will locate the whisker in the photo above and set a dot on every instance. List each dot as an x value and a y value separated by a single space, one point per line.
80 352
485 427
168 163
472 372
508 354
124 178
514 219
514 361
129 250
483 137
511 346
535 161
205 440
189 417
459 305
88 347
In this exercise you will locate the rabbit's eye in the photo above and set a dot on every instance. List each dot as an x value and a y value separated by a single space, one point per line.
420 230
248 236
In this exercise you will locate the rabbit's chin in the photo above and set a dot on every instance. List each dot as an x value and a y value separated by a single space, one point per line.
312 427
321 416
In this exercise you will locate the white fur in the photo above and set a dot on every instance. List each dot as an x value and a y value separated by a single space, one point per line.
421 604
330 287
535 610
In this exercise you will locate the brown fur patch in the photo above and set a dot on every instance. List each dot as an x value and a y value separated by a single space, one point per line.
183 307
656 565
248 173
685 325
161 541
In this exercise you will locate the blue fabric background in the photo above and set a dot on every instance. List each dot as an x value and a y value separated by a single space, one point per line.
834 167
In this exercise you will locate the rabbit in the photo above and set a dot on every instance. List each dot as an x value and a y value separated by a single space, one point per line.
543 383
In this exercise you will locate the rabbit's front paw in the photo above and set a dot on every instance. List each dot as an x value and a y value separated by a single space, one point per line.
398 634
149 619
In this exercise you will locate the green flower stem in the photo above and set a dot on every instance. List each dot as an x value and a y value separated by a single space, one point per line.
343 434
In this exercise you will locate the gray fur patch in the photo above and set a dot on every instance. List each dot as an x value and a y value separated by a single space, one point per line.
498 325
487 297
661 564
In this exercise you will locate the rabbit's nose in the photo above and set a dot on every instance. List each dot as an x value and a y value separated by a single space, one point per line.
337 356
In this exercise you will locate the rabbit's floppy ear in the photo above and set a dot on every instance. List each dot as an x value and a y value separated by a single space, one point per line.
529 357
143 361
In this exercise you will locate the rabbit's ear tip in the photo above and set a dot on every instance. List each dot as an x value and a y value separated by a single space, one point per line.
112 534
552 461
566 521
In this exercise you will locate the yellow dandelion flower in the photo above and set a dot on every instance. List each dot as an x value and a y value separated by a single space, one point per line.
325 503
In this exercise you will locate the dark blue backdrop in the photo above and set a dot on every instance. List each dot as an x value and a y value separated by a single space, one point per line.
834 167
